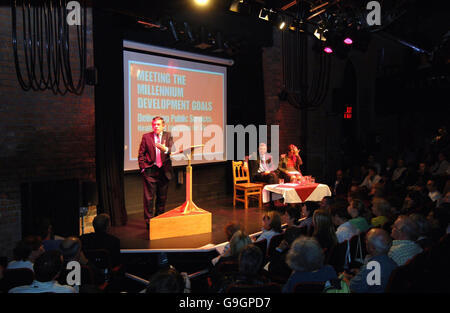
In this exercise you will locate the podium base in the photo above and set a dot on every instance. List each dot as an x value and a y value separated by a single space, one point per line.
178 223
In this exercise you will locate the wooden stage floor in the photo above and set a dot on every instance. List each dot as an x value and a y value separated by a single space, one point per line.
134 235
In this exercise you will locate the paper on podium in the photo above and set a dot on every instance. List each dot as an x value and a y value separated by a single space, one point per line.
187 150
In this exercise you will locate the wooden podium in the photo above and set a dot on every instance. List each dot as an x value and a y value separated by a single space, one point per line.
185 220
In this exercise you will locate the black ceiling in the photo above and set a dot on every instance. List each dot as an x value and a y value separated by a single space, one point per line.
421 23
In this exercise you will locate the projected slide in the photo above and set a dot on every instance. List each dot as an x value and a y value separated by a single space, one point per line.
190 96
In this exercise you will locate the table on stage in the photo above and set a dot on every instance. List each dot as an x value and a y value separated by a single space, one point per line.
295 193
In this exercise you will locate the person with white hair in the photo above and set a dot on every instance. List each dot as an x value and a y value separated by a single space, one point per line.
378 244
306 259
404 232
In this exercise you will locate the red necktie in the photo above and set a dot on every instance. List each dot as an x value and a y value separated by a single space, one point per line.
158 153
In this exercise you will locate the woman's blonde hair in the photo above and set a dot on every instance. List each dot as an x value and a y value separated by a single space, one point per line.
275 220
238 242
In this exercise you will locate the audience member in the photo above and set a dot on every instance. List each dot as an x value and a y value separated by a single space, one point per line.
371 162
371 178
357 210
341 184
380 210
101 239
378 245
71 251
327 202
22 254
324 231
308 209
229 230
46 270
433 193
424 240
50 241
399 172
345 230
388 169
169 280
441 167
306 259
404 232
271 226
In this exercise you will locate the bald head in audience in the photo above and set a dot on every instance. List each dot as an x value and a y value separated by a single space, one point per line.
378 241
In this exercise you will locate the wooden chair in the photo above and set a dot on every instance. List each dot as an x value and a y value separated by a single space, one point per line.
241 182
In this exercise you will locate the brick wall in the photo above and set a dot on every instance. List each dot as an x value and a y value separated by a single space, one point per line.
44 137
279 112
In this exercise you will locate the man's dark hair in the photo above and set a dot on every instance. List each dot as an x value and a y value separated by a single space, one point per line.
44 228
250 260
158 118
339 210
311 206
101 223
166 281
70 247
22 251
47 265
294 213
329 200
231 228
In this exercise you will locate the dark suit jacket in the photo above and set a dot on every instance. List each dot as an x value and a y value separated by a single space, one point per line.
253 165
93 241
147 154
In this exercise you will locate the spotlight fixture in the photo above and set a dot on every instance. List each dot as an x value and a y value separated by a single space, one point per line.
348 41
201 2
281 22
328 50
219 43
173 30
235 5
320 32
264 14
188 32
297 25
204 39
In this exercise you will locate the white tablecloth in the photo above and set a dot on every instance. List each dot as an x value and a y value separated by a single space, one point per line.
291 196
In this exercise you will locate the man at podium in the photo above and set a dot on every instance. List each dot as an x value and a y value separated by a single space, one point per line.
156 167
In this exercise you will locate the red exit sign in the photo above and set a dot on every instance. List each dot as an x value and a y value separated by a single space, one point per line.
348 113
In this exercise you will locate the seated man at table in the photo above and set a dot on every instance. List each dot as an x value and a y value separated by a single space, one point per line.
290 164
261 166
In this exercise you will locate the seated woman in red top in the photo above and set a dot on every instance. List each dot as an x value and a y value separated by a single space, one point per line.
289 165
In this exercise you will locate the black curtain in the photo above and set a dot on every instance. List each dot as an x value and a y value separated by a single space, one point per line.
109 116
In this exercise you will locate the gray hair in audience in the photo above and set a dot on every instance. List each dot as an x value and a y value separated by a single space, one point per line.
101 223
421 222
409 227
305 255
379 240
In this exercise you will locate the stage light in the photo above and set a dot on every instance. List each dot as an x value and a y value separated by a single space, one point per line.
348 41
201 2
320 31
297 25
234 7
173 30
328 50
264 14
281 23
320 34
